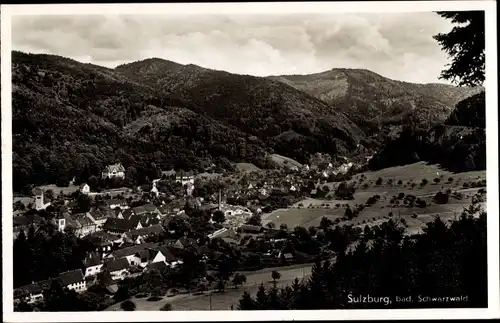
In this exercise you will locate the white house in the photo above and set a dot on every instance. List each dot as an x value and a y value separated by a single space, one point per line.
116 170
117 268
93 264
185 178
73 280
39 203
85 189
164 255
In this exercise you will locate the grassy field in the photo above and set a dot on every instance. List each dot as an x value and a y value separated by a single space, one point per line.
247 167
285 161
313 210
223 301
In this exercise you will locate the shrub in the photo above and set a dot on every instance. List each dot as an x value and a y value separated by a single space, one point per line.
128 305
379 181
154 299
424 182
401 196
450 179
437 180
166 307
441 198
400 182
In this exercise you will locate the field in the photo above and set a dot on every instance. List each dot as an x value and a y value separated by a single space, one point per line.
223 301
247 167
309 212
285 161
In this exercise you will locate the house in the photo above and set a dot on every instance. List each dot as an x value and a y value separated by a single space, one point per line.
138 236
143 209
115 203
117 268
167 174
184 178
79 222
39 203
73 280
33 292
97 217
93 264
116 170
103 241
85 189
163 254
120 226
183 243
130 252
248 228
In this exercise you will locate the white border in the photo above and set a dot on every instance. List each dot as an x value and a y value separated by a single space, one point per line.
492 311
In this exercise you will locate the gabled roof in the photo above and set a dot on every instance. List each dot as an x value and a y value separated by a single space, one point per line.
120 253
120 225
92 259
71 277
116 202
169 257
168 173
251 228
102 235
115 167
150 230
116 264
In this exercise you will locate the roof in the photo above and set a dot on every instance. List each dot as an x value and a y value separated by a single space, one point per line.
116 264
168 173
120 225
35 288
160 266
188 242
169 257
92 259
71 277
115 167
116 202
133 249
102 235
150 207
252 228
151 230
97 214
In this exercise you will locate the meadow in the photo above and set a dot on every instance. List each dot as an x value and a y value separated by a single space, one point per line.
395 180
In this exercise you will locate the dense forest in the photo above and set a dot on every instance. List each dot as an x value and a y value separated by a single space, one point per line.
458 144
70 118
393 266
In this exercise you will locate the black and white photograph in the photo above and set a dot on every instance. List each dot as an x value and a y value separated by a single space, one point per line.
235 158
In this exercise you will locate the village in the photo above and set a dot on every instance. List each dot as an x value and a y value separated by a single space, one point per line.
143 229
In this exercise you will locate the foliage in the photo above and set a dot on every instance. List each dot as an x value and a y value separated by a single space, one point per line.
128 305
394 265
465 44
45 252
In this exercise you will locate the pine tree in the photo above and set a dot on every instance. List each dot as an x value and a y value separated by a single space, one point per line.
261 299
246 303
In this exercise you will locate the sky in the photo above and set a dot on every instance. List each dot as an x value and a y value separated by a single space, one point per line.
396 45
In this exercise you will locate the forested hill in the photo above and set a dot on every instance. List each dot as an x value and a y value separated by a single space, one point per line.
370 99
458 143
71 119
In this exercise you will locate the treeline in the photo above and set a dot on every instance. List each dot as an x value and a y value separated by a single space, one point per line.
394 266
458 145
44 253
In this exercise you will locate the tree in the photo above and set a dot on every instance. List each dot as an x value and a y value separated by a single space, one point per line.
218 216
128 305
275 275
283 226
271 225
166 307
246 302
239 280
325 222
93 182
465 45
379 181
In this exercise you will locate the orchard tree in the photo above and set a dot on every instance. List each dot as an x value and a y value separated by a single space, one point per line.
464 44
